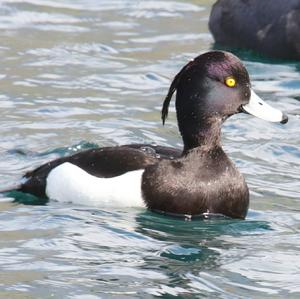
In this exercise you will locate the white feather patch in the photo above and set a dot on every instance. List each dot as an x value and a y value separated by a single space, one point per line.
69 183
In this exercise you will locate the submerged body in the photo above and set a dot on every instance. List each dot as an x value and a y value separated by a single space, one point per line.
199 179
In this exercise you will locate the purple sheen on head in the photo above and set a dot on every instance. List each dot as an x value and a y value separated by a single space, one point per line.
225 64
214 64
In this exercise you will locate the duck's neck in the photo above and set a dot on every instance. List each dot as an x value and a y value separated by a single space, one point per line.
204 135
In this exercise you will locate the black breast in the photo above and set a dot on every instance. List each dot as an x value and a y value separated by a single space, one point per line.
200 182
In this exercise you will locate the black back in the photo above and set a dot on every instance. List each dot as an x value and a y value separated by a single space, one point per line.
270 27
101 162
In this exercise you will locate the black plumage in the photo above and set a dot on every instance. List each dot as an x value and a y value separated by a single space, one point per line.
198 179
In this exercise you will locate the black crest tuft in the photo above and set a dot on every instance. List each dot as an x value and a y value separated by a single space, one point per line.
172 89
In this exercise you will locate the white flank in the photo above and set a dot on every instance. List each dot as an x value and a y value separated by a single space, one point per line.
261 109
69 183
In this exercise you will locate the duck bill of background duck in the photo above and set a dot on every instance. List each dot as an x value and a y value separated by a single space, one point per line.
261 109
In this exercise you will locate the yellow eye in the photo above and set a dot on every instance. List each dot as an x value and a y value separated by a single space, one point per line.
230 81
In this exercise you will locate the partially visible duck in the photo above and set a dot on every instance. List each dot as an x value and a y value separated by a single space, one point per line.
269 27
198 179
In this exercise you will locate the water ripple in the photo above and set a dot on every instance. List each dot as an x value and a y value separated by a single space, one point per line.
81 74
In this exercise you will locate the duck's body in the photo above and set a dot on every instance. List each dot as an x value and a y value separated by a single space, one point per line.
198 179
202 181
106 162
269 27
70 183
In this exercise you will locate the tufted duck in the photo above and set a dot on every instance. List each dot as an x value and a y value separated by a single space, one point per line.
269 27
199 179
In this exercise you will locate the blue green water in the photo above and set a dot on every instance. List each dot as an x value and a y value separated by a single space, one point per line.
80 74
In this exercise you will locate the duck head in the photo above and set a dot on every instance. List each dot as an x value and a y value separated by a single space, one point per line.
209 89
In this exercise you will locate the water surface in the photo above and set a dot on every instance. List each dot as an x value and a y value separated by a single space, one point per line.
79 74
